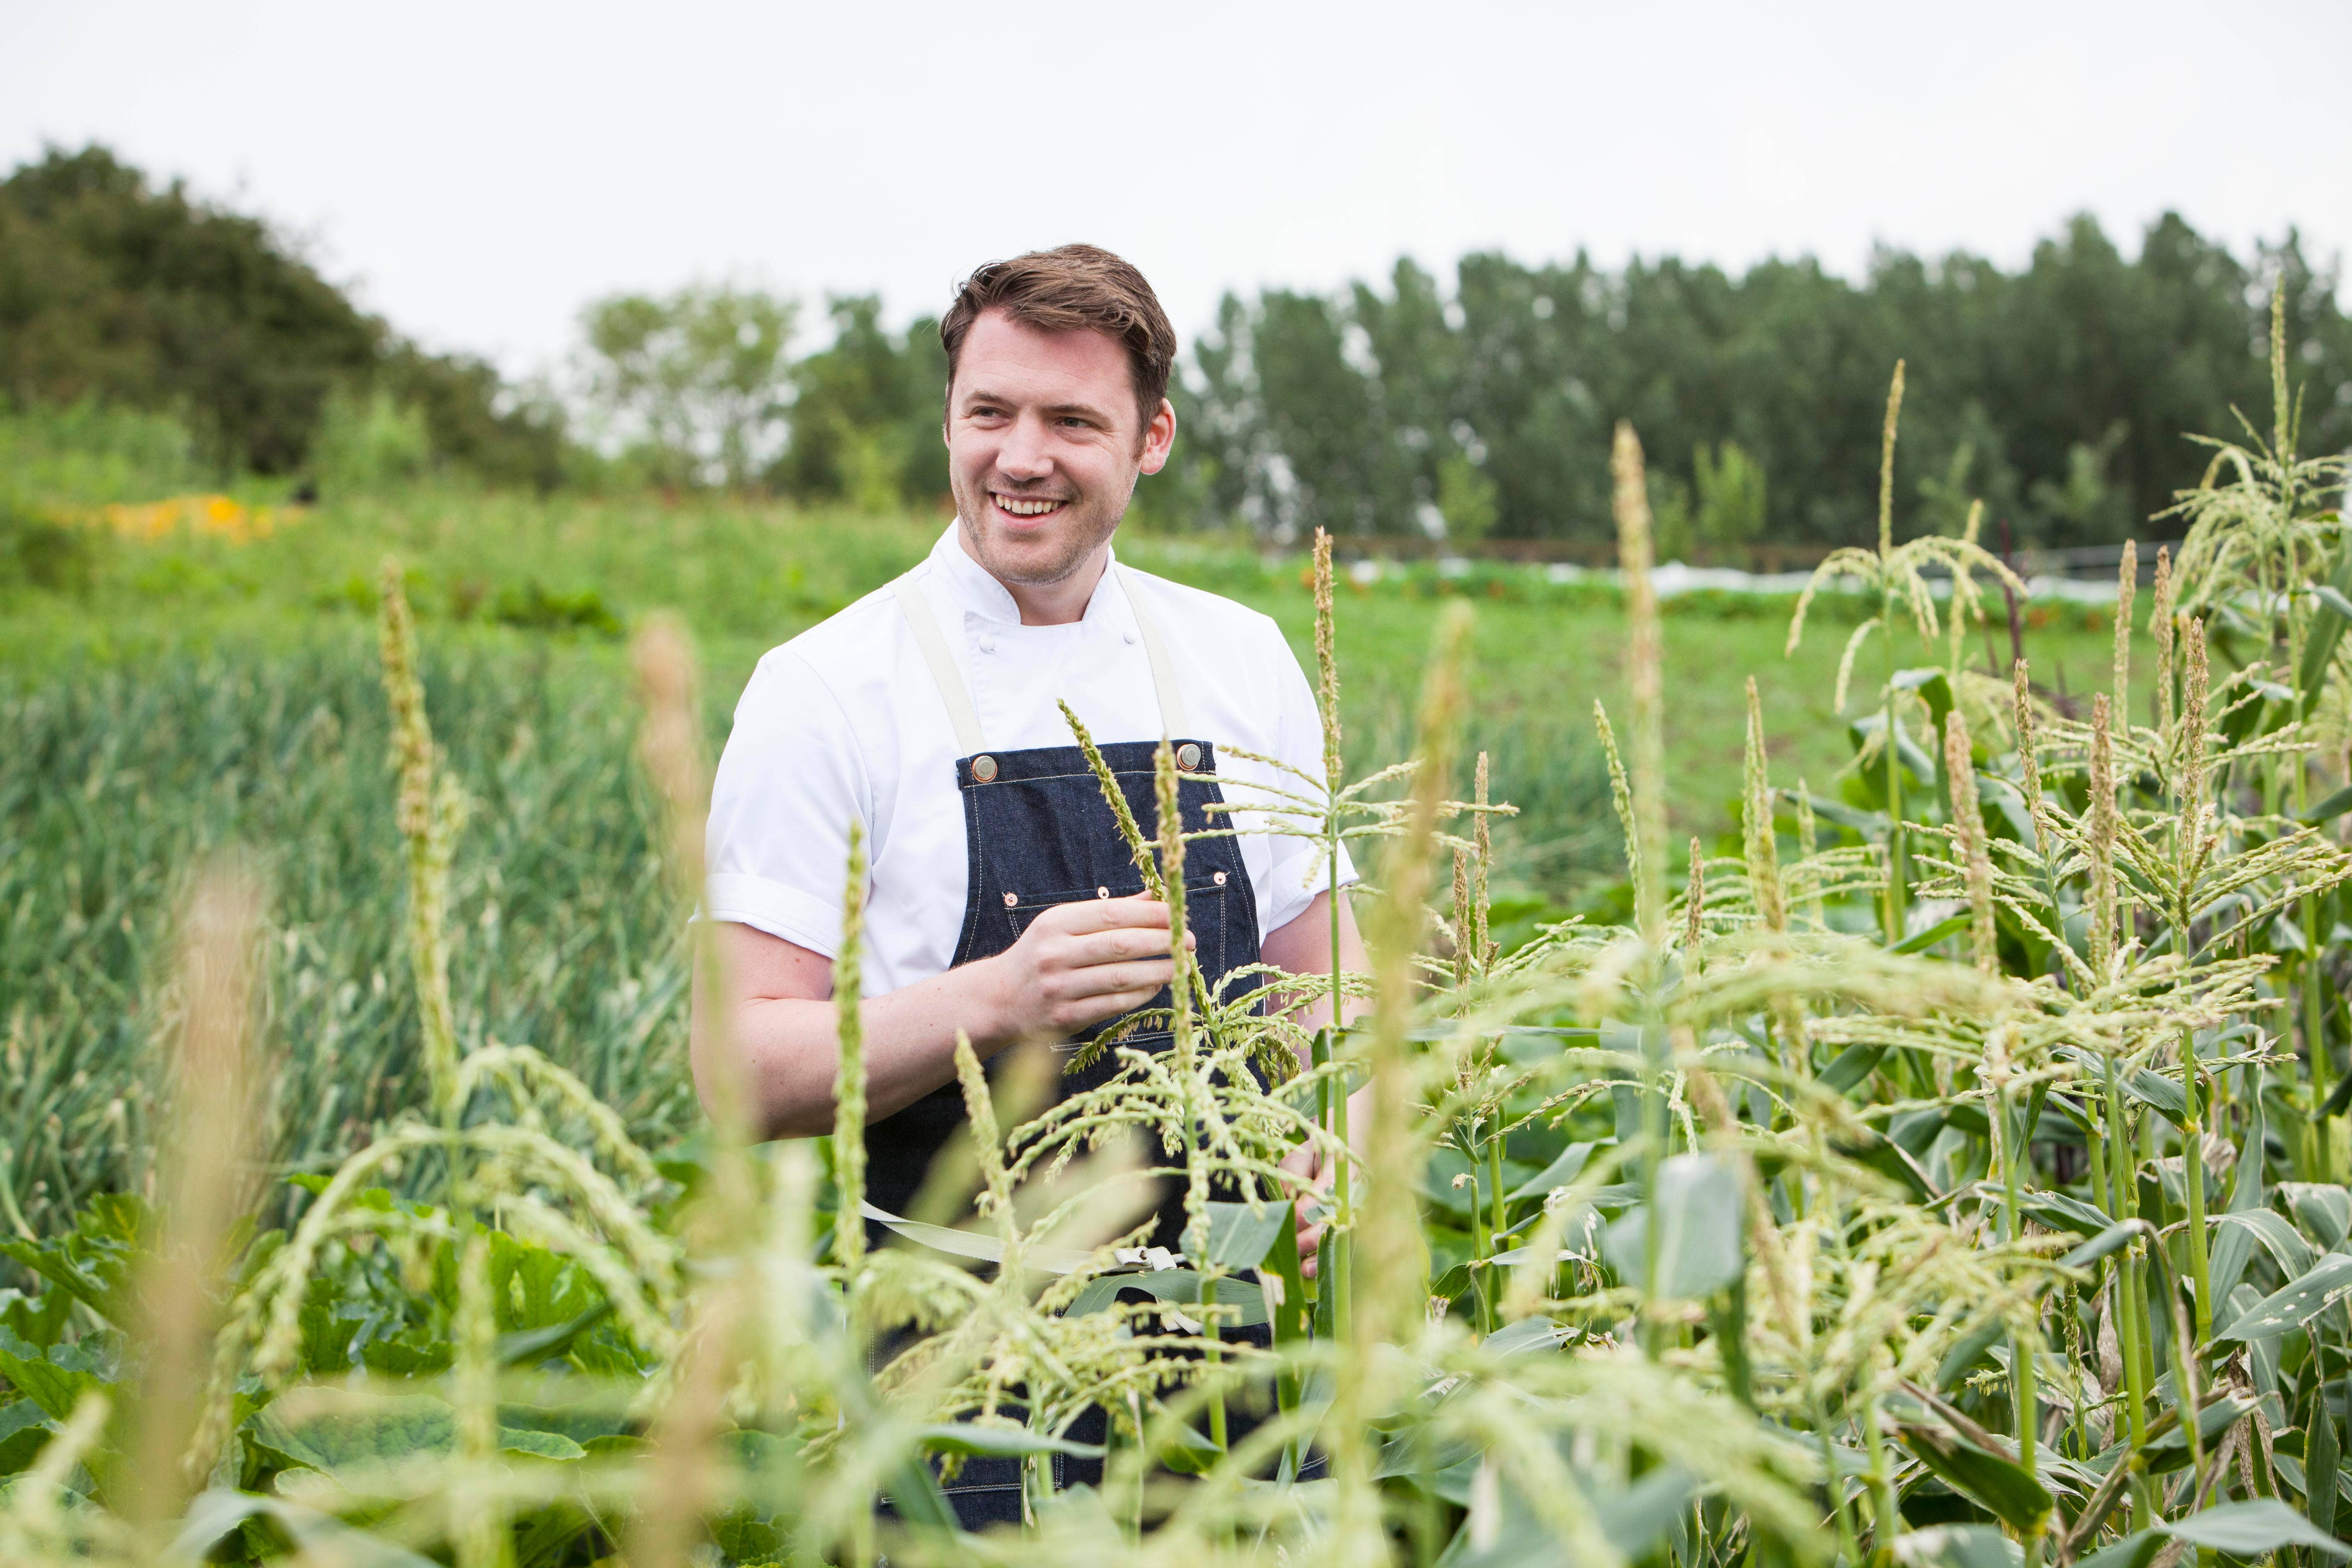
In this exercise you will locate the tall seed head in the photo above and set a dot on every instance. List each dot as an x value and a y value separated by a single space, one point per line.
849 1074
1172 877
2126 590
2282 424
2195 693
2161 625
1762 845
1645 676
201 1192
1621 794
1486 838
2104 827
1695 902
1462 935
2029 746
670 743
1968 819
1886 465
1326 662
432 810
1389 1277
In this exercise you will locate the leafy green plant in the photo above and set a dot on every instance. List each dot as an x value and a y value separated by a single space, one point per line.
1758 1226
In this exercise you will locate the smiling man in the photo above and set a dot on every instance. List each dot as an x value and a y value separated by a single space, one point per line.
1002 900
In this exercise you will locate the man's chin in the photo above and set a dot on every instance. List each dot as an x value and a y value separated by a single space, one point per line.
1034 561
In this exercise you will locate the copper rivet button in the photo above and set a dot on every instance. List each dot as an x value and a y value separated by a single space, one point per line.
1188 756
1011 900
1102 892
1219 878
983 769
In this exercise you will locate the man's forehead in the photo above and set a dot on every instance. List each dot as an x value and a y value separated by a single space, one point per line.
1010 359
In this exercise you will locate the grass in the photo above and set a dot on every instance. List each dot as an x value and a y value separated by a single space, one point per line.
1760 1242
195 694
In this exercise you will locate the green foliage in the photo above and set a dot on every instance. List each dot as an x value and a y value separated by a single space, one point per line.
694 381
2058 394
1998 1231
368 442
865 417
115 291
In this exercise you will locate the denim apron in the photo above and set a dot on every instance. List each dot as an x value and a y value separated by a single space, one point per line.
1038 833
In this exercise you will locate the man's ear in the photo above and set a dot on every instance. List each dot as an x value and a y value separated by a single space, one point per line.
1158 439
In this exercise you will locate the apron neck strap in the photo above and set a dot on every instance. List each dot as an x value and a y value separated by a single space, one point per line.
916 608
1163 669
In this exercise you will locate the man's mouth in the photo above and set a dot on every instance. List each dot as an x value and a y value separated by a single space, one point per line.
1028 506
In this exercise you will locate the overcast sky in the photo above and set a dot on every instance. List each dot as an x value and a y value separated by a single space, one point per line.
478 171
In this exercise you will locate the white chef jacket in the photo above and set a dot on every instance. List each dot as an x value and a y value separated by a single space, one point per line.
846 722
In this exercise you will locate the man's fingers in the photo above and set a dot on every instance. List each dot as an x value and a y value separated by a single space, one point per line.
1143 977
1119 945
1084 916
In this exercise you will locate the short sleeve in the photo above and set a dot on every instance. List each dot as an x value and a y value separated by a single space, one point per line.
788 782
1302 867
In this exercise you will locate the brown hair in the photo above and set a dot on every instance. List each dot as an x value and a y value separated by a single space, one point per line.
1073 288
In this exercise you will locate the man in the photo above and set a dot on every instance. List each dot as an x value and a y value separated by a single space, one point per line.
1002 900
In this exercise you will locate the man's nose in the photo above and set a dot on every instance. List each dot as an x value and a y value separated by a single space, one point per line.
1024 454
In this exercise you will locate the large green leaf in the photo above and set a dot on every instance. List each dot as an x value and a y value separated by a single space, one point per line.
1001 1442
386 1430
1630 1520
2322 1455
529 1347
1181 1287
1958 1546
2250 1529
2108 1240
1853 1066
1699 1230
1526 1335
2134 1550
24 1431
2324 1209
1239 1236
2295 1255
55 1379
321 1536
2296 1303
1559 1174
2000 1484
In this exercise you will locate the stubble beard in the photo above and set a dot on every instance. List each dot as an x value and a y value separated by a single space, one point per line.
1082 528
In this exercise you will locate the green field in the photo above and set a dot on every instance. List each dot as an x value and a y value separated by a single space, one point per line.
186 695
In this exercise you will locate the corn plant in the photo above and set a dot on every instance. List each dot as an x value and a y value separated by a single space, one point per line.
1787 1232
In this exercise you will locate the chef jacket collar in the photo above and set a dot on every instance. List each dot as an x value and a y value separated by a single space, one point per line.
975 591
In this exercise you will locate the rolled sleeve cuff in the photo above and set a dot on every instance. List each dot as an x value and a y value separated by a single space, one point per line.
1298 877
771 906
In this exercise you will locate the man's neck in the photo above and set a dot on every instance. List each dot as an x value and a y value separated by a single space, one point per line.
1058 603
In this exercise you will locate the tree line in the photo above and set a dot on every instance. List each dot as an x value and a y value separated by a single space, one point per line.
117 291
2061 392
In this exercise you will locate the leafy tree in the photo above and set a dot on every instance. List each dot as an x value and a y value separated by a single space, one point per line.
113 290
865 417
2057 393
696 380
110 289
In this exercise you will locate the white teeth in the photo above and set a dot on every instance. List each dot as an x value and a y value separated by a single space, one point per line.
1017 508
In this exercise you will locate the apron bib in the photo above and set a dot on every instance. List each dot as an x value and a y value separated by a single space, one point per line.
1038 833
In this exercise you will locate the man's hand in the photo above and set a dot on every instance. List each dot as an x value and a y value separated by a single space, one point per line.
1307 1162
1082 963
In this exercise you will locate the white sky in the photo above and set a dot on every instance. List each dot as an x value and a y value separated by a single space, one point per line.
480 170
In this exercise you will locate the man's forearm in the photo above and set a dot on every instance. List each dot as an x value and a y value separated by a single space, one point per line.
790 1048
